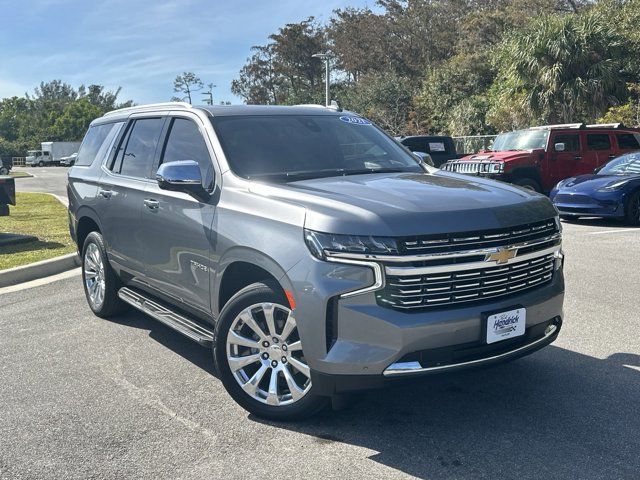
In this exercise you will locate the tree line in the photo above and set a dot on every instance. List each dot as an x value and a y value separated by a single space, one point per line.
55 111
463 67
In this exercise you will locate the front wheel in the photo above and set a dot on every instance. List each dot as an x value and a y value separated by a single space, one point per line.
259 355
528 183
4 171
632 210
41 163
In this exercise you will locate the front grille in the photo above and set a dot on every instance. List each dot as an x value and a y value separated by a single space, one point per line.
573 199
462 286
466 167
457 242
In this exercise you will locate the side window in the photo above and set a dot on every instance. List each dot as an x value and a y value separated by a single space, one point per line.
598 141
571 142
628 141
96 142
136 153
414 144
185 142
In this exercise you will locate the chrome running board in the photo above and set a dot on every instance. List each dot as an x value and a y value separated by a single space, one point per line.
190 329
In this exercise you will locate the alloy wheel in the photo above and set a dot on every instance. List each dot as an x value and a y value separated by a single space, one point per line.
264 354
94 277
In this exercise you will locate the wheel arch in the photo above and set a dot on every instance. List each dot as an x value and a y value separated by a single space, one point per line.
87 221
239 268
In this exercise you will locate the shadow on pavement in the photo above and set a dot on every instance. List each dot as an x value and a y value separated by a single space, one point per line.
554 414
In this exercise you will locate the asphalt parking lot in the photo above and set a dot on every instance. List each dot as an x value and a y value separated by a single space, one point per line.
44 179
128 398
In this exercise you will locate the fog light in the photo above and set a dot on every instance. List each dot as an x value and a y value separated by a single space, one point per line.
552 327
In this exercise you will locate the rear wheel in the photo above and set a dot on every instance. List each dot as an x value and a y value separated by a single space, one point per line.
632 210
259 356
529 183
41 163
101 284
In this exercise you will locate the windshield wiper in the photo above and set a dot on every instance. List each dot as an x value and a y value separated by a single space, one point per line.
330 172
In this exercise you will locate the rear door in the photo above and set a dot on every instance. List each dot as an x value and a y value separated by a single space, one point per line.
565 163
176 226
600 146
121 193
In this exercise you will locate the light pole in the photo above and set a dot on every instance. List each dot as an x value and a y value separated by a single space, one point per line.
325 57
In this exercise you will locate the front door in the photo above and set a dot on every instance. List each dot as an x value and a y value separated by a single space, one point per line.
121 194
564 163
177 226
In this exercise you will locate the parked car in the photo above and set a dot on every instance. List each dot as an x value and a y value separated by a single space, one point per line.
440 148
5 166
539 157
69 161
309 250
51 153
611 191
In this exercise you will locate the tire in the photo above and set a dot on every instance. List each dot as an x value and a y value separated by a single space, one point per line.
4 171
529 183
632 209
41 163
97 271
244 317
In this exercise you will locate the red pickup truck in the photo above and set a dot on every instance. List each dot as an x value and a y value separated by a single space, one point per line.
539 157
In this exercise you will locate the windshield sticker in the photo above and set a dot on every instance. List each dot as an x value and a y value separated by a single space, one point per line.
355 120
436 146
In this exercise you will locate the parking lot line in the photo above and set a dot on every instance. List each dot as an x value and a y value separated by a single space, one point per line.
619 230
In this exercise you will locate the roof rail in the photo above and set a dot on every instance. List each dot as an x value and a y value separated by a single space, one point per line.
149 106
606 125
334 105
559 125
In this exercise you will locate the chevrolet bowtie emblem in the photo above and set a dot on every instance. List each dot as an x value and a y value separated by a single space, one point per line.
503 255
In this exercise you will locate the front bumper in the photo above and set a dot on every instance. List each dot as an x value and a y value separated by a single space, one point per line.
600 204
348 338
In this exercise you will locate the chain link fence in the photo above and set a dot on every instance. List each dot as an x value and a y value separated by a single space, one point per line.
473 143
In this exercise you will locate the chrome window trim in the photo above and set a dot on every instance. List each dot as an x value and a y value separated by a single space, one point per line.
443 255
405 271
409 368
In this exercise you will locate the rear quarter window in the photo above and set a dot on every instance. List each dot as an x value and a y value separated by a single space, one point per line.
629 141
96 142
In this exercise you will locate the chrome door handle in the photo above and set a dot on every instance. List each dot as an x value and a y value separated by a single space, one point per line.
105 193
151 204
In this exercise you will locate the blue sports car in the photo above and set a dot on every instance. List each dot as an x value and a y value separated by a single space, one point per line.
611 191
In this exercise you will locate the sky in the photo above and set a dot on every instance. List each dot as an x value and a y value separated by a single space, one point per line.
140 45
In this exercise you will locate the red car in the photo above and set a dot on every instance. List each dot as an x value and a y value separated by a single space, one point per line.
539 157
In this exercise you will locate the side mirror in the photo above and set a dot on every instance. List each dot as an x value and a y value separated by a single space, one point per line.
597 169
559 147
424 157
183 176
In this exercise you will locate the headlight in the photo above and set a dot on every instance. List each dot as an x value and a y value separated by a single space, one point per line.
617 185
319 242
496 167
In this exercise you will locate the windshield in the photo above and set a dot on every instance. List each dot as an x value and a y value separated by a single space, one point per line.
521 140
289 147
628 164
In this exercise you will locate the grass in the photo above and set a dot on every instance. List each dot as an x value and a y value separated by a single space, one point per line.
19 174
40 215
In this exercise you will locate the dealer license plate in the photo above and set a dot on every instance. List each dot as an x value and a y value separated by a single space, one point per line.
504 325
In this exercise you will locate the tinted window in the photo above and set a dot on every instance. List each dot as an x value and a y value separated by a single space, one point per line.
185 142
136 153
96 142
415 144
598 141
571 142
629 140
286 147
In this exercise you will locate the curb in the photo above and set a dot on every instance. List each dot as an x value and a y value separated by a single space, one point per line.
34 271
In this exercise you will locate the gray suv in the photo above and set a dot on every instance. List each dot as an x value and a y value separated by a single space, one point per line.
313 253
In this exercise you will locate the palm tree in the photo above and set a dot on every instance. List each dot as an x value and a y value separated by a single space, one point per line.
566 68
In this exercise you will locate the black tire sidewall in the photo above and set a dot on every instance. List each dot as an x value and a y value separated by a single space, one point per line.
630 219
253 294
529 183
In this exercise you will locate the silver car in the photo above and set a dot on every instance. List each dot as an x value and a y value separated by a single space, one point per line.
310 251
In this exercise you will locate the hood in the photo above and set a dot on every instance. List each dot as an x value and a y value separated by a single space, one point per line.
508 155
590 182
399 204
